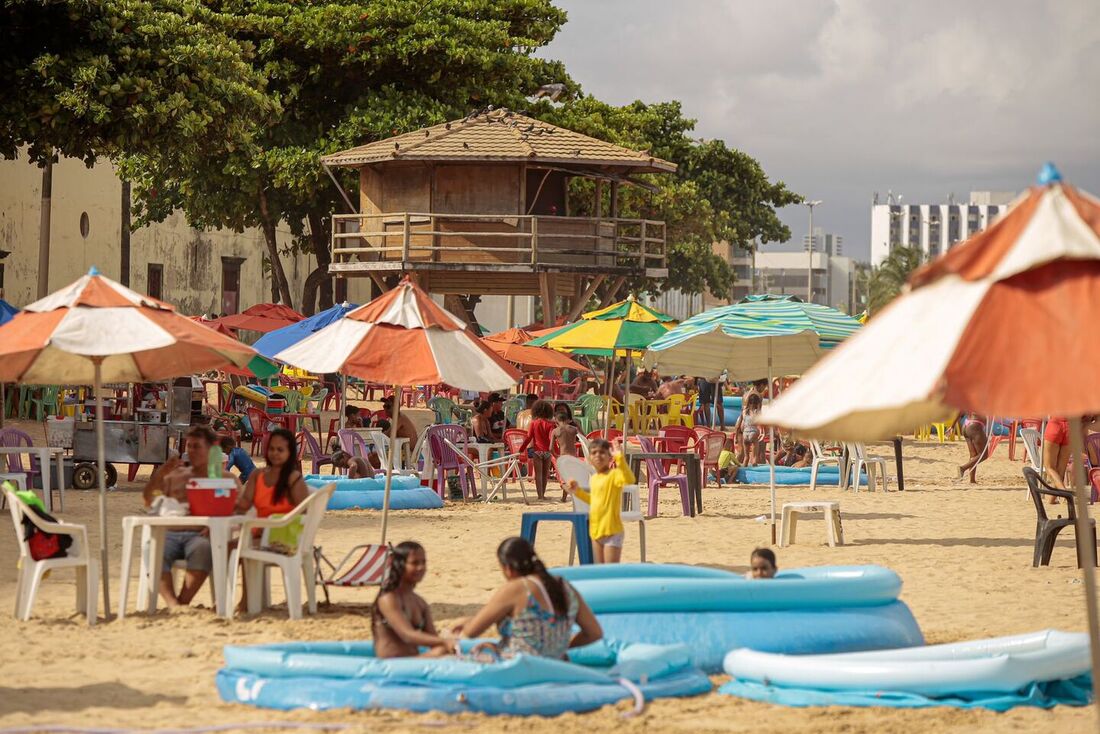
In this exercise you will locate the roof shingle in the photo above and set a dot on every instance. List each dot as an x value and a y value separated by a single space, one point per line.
499 135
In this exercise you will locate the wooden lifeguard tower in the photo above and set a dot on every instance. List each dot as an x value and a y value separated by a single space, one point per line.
480 206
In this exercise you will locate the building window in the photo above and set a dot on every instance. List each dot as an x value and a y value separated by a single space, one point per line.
85 225
154 281
231 284
340 290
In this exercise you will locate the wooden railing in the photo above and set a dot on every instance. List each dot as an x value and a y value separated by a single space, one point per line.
498 240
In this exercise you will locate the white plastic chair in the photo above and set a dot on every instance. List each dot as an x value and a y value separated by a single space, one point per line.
296 569
820 458
508 465
32 571
859 461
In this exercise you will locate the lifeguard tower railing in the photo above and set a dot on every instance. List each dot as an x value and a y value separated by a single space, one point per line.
497 242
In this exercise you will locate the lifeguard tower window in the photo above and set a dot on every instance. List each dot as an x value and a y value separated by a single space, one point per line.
546 192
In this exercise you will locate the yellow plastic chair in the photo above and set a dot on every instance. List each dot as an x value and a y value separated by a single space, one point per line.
676 415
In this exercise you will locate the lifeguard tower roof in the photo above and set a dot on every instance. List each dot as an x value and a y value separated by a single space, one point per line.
501 136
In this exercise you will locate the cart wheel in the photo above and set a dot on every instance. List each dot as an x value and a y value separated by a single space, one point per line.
112 475
84 476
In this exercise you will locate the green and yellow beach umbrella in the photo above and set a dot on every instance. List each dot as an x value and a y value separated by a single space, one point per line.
622 328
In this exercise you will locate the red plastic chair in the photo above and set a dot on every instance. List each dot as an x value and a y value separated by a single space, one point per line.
675 438
611 434
709 448
262 424
657 478
513 439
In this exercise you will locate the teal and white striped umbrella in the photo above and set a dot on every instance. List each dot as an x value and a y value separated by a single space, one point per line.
761 336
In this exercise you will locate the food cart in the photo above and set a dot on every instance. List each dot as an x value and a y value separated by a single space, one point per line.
142 440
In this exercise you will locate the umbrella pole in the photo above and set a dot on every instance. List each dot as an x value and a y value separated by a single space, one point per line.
607 408
390 460
101 471
1086 550
771 441
714 413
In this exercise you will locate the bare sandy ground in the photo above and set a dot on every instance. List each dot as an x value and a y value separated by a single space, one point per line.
963 551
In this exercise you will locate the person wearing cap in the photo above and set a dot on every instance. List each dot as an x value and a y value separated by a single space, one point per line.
497 421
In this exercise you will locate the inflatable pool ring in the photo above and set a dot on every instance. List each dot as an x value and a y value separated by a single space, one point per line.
827 476
324 675
368 493
253 394
804 611
985 672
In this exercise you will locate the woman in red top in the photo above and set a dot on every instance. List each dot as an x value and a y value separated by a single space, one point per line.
539 439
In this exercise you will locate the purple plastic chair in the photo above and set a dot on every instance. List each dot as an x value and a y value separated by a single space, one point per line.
308 442
1092 448
444 459
353 443
657 478
15 437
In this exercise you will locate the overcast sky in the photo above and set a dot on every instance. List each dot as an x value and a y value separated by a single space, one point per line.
842 98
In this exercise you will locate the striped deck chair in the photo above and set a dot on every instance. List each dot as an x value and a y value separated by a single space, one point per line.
368 570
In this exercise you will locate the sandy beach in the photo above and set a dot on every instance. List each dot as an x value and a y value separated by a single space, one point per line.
964 553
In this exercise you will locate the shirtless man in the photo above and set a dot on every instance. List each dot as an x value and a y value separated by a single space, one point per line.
184 544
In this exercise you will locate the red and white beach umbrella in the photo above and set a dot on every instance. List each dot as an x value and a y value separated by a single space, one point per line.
1002 325
402 338
97 331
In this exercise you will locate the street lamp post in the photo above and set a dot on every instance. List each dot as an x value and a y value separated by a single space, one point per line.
810 249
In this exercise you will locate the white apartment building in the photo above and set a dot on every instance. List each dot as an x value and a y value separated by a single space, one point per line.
784 273
934 228
827 242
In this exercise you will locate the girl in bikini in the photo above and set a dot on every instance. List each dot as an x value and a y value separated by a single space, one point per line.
401 621
533 611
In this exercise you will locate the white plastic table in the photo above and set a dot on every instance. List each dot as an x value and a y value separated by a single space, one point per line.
44 454
153 529
484 451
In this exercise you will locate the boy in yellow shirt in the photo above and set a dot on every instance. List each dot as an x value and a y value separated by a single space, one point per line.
605 500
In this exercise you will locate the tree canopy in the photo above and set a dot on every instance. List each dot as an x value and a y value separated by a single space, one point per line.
718 194
223 109
90 79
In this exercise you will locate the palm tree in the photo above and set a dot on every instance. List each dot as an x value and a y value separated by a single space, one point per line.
890 277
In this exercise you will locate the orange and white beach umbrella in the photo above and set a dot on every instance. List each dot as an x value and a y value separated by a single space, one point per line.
137 338
1000 325
403 338
95 331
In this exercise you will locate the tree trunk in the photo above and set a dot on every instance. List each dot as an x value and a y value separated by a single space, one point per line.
280 287
318 285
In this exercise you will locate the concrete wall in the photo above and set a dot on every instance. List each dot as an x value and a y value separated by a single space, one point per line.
192 258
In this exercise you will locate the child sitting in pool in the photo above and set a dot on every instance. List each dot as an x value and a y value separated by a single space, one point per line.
357 467
605 500
762 564
401 621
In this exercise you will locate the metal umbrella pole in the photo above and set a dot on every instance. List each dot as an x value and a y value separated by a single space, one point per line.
771 440
392 453
1086 550
101 466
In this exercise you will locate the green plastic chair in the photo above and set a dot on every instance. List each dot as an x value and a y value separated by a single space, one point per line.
512 408
590 406
294 401
446 411
317 398
45 404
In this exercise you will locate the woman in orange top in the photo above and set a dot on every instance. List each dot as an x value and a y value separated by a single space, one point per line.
279 487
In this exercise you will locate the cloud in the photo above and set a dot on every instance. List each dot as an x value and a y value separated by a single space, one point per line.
845 97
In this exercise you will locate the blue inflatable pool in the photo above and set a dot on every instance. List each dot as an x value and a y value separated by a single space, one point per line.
827 476
324 675
806 611
406 493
